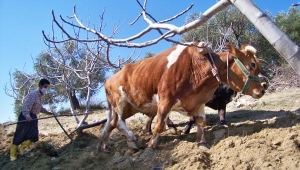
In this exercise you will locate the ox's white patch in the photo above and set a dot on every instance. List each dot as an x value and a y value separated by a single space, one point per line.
124 129
251 49
154 101
201 113
107 124
156 98
105 132
173 56
178 108
122 101
154 141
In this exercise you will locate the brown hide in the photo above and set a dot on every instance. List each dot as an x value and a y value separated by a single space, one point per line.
188 77
187 82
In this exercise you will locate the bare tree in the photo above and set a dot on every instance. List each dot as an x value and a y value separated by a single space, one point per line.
289 50
76 66
20 85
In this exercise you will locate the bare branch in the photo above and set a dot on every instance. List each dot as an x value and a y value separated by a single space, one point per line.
171 30
177 15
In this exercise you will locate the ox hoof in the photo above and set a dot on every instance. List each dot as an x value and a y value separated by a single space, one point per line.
148 133
103 149
203 146
106 151
223 122
132 145
185 133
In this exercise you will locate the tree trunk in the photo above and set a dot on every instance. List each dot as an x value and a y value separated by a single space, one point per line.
88 99
281 42
74 100
71 104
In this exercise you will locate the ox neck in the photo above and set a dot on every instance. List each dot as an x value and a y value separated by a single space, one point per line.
223 63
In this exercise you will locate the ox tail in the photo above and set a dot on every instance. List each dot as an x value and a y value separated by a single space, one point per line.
109 112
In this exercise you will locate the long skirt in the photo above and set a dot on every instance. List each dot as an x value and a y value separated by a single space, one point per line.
26 130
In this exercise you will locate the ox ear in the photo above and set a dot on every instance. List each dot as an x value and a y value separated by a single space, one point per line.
203 48
232 50
262 61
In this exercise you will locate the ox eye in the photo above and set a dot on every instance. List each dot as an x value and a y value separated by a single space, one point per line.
252 64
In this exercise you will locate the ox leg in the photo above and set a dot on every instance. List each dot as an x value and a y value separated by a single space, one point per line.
222 114
148 125
189 126
164 108
201 123
109 126
171 125
131 138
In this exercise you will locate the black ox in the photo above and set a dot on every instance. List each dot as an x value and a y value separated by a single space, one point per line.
222 96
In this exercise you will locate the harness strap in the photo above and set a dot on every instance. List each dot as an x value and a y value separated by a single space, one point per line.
228 68
212 64
245 71
248 75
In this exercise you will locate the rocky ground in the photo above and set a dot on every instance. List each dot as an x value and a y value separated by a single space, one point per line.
261 134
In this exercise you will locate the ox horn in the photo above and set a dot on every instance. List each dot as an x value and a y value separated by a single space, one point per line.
262 61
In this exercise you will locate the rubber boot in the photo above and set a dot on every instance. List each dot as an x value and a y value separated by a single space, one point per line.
13 152
23 146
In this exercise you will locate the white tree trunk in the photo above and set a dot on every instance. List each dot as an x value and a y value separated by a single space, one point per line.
281 42
88 100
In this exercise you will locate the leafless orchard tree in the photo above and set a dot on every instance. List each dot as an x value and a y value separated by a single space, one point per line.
20 89
289 50
76 74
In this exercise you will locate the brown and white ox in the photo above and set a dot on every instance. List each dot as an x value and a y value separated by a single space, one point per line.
178 79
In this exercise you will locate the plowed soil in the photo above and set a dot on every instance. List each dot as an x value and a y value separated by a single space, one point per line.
261 134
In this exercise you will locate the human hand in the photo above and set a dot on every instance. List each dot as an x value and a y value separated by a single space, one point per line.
28 119
50 113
